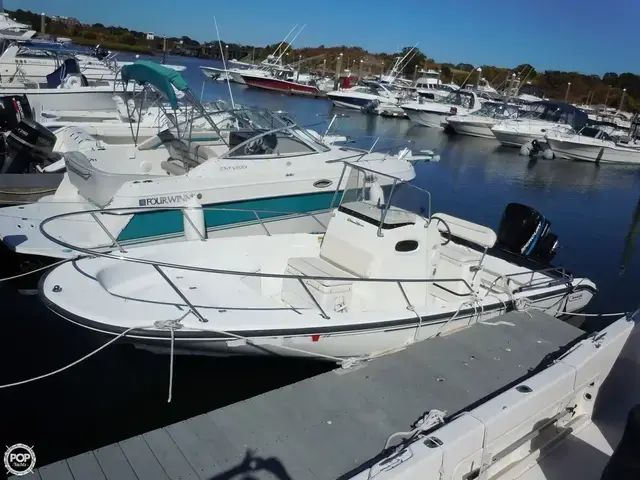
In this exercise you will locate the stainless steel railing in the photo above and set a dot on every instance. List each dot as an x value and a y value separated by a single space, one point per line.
159 266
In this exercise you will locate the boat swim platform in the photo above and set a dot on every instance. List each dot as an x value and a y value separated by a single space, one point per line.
333 425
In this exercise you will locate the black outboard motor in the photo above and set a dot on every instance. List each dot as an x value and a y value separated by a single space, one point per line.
27 145
525 231
13 108
100 52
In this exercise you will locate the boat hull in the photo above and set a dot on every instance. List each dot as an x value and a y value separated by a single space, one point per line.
319 342
346 101
516 139
98 98
427 118
593 153
472 129
282 86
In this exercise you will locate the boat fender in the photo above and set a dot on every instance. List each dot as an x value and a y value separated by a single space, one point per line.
193 220
525 149
548 154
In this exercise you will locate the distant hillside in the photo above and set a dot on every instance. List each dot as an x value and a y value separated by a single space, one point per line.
552 83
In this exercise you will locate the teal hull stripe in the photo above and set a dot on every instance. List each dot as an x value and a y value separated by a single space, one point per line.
152 224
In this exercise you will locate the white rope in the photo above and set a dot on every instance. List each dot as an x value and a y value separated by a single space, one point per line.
429 420
171 325
523 304
7 279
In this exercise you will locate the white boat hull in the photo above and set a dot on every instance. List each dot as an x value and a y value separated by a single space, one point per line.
473 129
86 98
594 153
426 118
516 139
356 343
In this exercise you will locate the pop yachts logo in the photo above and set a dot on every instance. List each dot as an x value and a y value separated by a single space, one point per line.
168 199
19 459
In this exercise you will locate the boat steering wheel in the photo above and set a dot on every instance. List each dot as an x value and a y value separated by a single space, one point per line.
448 239
254 147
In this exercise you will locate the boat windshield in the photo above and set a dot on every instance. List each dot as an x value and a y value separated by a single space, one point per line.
459 97
380 199
547 112
594 132
263 132
497 110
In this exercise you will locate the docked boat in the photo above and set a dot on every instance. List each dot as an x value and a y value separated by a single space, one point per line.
479 123
283 81
32 62
434 114
365 95
591 144
374 278
12 30
66 88
541 118
254 160
429 86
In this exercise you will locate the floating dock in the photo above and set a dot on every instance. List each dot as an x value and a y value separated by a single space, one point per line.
335 424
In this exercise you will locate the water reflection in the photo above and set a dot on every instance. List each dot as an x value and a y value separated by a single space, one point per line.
629 240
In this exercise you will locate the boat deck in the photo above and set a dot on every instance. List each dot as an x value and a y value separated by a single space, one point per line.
331 425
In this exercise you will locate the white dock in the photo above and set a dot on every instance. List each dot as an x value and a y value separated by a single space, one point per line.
332 425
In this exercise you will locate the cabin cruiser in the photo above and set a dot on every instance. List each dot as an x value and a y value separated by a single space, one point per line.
26 62
592 144
533 124
434 114
10 29
367 94
65 88
429 86
252 160
479 123
374 278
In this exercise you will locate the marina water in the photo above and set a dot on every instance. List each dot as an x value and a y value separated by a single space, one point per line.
121 392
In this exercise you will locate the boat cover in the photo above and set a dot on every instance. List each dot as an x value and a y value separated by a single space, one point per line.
161 77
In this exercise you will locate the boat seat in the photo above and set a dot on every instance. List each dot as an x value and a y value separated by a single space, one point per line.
318 267
173 167
332 295
97 186
456 262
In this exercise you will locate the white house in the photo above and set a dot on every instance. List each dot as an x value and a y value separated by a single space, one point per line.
151 36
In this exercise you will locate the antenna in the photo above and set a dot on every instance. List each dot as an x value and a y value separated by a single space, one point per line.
224 64
291 42
275 52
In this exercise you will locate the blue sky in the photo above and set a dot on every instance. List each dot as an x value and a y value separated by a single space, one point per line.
589 36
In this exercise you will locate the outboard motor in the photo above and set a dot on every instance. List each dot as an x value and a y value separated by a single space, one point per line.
29 144
100 52
13 108
525 231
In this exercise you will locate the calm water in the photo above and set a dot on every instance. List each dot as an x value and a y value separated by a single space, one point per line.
122 392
